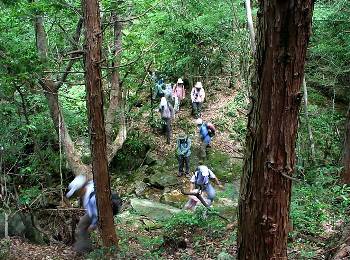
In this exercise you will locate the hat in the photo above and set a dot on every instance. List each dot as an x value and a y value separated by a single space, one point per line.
198 85
204 170
182 135
75 185
199 121
180 81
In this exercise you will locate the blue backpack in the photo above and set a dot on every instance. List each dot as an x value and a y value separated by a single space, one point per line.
200 180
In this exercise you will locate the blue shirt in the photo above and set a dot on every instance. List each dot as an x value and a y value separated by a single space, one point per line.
89 203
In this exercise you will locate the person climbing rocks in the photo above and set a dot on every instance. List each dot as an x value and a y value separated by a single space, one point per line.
178 94
167 114
200 182
197 98
84 189
206 132
183 153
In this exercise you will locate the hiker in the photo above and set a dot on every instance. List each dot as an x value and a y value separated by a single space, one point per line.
178 94
197 98
167 113
159 88
206 132
200 181
85 190
184 152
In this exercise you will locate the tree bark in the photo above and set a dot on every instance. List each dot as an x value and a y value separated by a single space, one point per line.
250 24
346 157
283 29
116 101
93 37
311 139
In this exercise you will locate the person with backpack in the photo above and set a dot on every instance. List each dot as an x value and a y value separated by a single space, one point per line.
206 132
183 153
167 114
197 98
85 190
178 94
159 89
200 181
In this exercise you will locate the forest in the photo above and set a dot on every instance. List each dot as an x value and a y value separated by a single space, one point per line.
172 129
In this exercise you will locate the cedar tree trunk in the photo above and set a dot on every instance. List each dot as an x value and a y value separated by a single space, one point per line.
93 37
346 158
283 31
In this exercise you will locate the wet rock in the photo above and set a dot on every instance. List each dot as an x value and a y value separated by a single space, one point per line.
153 210
174 197
140 188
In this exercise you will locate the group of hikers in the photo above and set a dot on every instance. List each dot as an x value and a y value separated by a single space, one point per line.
171 98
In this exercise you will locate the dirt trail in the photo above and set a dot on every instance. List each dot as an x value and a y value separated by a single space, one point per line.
213 111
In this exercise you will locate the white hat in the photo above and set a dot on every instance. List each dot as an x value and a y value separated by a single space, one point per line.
199 121
198 85
180 81
204 170
75 185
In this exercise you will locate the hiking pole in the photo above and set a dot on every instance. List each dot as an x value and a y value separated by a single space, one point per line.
201 199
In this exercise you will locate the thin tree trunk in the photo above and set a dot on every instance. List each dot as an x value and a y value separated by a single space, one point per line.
94 91
250 24
51 93
346 157
311 139
283 32
116 101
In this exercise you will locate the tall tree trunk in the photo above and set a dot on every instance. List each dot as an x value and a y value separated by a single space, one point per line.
283 32
250 24
93 36
311 139
346 157
116 101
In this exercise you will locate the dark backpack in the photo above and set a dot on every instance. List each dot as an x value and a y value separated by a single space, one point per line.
115 201
211 129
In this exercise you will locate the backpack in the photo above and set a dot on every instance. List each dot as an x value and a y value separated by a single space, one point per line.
201 180
115 201
203 131
211 129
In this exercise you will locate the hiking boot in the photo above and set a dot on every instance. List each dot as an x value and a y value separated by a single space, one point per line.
187 175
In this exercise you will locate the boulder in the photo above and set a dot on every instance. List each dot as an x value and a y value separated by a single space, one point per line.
151 158
140 187
162 179
153 210
174 197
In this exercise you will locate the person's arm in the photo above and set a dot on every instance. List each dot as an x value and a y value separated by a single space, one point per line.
213 176
183 92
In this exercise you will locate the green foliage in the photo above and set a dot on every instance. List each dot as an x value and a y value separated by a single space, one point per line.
28 195
320 202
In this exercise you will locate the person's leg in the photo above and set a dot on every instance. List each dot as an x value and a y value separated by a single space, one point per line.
168 130
211 192
203 146
187 165
199 109
181 165
82 237
194 109
176 104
